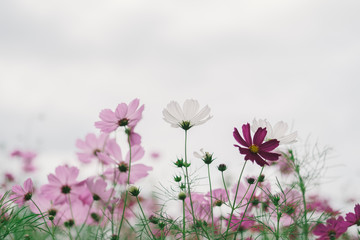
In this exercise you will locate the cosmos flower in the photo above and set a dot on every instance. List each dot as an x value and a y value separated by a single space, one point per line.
188 116
91 146
62 184
20 194
354 218
256 149
120 173
124 115
98 190
277 132
333 229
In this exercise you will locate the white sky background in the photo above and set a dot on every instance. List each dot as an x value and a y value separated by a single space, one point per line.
297 61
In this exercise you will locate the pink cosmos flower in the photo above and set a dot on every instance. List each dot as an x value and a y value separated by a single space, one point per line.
124 115
98 189
256 149
120 174
27 158
354 218
21 195
91 146
316 203
62 184
333 229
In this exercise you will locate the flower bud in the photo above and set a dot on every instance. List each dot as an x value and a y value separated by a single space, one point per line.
182 196
179 163
261 178
208 158
251 180
222 167
177 178
153 219
134 191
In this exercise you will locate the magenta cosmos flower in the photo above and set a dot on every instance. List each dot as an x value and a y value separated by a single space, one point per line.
21 195
333 229
124 115
62 184
256 149
354 218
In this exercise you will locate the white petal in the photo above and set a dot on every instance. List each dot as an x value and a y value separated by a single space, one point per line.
200 116
190 108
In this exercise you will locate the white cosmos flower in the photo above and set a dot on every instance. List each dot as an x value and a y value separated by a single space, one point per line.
277 132
187 116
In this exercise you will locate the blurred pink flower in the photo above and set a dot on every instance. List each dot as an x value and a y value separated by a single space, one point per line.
20 194
354 218
98 190
333 229
124 115
91 147
219 196
62 184
256 149
246 223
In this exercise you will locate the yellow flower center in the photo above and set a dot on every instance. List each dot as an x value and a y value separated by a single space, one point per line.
254 149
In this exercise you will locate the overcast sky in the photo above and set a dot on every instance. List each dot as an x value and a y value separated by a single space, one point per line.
297 61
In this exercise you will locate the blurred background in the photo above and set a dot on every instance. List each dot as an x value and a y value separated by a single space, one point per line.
62 62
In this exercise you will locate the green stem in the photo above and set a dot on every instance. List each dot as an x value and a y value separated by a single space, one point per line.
278 223
211 201
145 219
233 205
184 227
227 193
247 205
189 190
126 192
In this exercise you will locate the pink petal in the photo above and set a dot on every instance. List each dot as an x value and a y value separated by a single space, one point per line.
246 133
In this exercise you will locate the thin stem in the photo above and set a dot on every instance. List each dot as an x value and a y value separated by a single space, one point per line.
126 192
184 227
278 223
233 206
227 193
72 214
211 201
247 205
189 190
147 224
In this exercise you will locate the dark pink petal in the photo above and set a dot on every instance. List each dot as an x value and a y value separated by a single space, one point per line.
269 145
259 160
246 133
259 136
239 139
269 156
243 150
